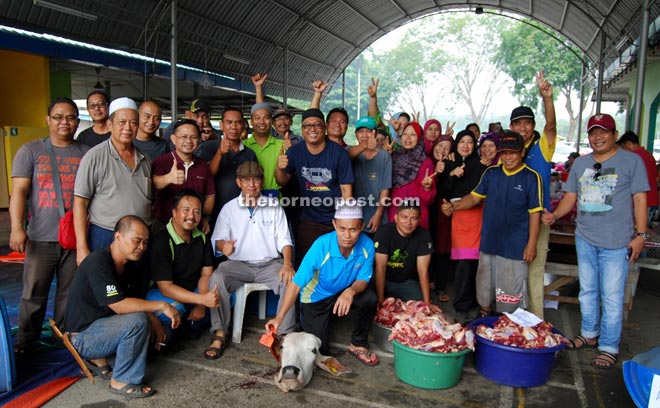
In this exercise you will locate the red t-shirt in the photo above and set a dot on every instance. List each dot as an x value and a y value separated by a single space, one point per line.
652 173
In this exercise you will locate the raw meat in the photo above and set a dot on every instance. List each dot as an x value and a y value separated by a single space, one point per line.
506 332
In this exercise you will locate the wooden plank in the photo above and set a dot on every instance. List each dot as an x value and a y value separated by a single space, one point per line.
563 299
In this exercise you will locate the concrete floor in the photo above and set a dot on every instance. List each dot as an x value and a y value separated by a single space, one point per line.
243 376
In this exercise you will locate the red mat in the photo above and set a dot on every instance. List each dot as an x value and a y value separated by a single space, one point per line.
40 395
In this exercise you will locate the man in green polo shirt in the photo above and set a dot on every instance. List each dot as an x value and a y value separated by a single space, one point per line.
181 265
265 147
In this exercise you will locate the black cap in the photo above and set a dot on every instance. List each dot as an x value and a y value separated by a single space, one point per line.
313 113
511 141
200 104
522 112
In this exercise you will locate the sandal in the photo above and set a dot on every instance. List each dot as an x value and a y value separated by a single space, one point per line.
484 312
443 297
104 372
365 356
133 391
604 360
217 351
584 343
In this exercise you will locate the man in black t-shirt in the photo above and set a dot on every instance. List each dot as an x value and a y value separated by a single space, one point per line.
403 255
105 315
182 262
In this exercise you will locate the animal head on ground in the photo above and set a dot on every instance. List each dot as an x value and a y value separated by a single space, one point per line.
300 354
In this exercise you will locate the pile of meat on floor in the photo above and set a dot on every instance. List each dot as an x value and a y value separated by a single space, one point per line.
509 333
420 326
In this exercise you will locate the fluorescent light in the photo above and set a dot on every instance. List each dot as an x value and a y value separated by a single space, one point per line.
65 9
237 59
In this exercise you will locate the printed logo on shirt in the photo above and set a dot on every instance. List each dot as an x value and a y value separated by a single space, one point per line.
111 290
317 178
518 187
267 223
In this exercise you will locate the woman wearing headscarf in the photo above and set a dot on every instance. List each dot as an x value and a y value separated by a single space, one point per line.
410 173
463 175
441 263
432 131
488 144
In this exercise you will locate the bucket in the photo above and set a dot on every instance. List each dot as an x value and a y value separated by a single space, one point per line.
428 370
512 366
382 337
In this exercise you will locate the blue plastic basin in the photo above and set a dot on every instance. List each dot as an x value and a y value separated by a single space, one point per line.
512 366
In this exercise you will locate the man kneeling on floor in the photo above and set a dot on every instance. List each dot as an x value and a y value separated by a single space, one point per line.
252 232
103 319
182 264
334 276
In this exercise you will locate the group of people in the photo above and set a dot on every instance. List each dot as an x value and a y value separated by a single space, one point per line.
336 228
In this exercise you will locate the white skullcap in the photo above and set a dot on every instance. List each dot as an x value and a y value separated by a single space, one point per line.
348 211
122 103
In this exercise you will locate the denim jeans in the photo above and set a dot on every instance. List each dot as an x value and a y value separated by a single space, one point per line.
603 274
183 309
126 335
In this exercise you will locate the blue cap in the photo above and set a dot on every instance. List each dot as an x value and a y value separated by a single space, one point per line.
365 122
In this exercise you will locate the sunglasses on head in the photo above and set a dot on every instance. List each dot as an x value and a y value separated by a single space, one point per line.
597 167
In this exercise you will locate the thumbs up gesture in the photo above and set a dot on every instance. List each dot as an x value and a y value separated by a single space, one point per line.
282 160
225 145
458 171
211 298
176 176
548 218
372 143
446 207
229 247
286 141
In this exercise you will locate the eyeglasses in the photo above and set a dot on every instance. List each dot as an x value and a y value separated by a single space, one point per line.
98 105
309 126
597 167
60 118
191 138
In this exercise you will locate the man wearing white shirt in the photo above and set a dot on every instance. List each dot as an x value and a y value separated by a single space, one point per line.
252 232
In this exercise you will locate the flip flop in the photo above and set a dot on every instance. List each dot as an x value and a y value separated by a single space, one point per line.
363 356
218 351
583 343
103 372
604 360
133 391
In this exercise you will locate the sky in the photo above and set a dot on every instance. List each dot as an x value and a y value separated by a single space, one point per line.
504 101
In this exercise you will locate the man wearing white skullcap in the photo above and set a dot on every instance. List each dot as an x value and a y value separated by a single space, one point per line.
334 276
113 180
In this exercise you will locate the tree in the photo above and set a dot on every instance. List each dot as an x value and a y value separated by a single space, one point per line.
526 49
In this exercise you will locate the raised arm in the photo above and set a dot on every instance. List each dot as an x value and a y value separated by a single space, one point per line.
319 87
373 110
258 81
545 89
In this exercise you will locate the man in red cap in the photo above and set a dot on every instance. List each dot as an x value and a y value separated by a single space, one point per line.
610 233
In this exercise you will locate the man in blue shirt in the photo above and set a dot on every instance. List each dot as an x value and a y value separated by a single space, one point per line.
333 277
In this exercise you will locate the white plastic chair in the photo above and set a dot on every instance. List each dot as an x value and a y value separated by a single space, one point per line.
241 295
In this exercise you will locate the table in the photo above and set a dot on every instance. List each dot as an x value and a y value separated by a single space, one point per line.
568 273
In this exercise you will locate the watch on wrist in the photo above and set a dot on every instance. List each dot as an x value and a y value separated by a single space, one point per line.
644 235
